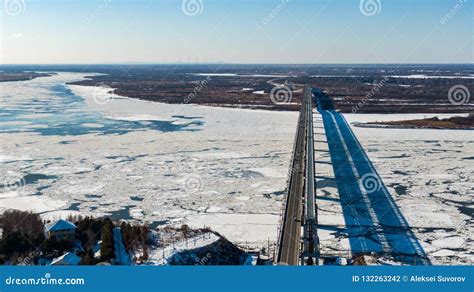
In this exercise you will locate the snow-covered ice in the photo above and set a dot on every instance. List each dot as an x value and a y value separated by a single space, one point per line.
138 160
224 168
428 173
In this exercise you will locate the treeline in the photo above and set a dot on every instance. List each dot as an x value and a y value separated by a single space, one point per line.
135 237
90 231
23 240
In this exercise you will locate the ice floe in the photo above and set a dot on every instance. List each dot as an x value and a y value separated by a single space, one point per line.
224 174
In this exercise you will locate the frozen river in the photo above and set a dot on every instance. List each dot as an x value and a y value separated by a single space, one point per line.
427 172
78 150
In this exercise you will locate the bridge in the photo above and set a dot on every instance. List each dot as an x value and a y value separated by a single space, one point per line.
297 240
373 222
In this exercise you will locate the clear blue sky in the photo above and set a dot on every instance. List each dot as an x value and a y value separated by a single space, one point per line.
258 31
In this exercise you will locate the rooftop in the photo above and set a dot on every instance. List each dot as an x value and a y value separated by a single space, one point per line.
66 259
60 225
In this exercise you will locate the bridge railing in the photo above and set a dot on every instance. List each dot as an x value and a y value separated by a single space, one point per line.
291 170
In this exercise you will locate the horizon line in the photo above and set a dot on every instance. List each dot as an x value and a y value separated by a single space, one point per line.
226 63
